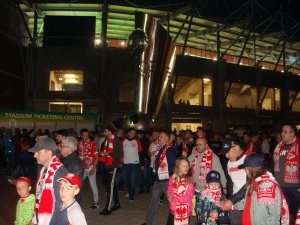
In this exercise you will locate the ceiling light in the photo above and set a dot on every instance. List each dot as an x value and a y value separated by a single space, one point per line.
215 59
122 43
263 67
60 78
206 79
97 41
282 71
70 75
71 80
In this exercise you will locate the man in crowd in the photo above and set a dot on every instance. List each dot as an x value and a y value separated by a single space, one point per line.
189 144
236 188
164 164
111 157
47 187
287 167
202 161
70 159
131 148
89 155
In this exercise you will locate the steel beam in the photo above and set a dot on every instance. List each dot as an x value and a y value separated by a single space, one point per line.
216 29
244 46
24 23
270 50
187 36
173 15
211 47
235 40
180 29
294 99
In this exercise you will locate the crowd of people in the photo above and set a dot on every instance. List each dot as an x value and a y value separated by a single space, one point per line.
220 179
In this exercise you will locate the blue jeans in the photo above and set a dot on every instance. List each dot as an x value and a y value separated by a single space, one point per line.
129 177
144 177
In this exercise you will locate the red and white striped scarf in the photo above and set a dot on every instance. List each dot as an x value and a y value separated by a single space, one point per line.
109 144
205 165
45 195
265 187
214 195
179 186
297 220
291 163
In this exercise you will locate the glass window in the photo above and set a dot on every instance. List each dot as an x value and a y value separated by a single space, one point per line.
66 80
65 107
294 101
270 98
193 91
240 96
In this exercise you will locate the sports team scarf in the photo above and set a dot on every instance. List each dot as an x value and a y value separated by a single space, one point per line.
45 192
297 221
215 195
108 147
205 165
291 163
181 212
265 187
163 169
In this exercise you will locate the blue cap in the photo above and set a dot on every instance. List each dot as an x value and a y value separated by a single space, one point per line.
252 160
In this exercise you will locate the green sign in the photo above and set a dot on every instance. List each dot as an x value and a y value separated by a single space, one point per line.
43 116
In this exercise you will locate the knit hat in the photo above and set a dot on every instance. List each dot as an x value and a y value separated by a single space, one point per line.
24 179
253 160
71 178
44 143
213 177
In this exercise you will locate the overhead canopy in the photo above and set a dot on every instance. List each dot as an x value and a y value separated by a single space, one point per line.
243 32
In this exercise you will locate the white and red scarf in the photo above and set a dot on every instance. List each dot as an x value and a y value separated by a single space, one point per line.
297 220
45 192
212 195
265 187
291 163
181 211
205 165
163 169
109 144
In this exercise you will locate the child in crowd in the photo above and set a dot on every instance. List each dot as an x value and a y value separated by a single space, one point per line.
180 193
25 206
70 211
265 202
208 202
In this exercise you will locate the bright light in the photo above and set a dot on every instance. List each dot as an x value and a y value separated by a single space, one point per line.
70 75
122 43
215 59
206 79
60 78
172 85
71 80
263 67
97 41
282 71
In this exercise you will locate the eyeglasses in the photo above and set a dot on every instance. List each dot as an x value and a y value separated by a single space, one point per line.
63 146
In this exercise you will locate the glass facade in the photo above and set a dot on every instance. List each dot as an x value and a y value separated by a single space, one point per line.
294 101
193 91
65 107
66 80
240 96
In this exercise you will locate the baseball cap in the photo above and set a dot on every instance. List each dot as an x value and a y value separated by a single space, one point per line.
228 144
71 178
213 177
25 179
44 143
253 160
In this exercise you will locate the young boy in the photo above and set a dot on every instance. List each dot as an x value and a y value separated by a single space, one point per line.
70 211
25 206
208 202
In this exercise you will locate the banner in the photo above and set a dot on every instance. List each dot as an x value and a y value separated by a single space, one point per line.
44 116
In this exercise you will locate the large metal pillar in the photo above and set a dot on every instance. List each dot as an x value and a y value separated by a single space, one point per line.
103 57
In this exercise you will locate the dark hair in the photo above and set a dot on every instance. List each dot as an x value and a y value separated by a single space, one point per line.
292 126
130 129
84 130
166 133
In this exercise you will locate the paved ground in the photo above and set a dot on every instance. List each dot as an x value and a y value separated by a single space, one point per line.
130 213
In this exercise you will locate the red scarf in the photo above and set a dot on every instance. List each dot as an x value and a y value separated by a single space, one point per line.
181 212
45 208
109 144
291 163
163 170
205 165
265 187
108 147
297 221
214 195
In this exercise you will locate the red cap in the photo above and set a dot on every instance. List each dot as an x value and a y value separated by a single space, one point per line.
71 178
25 179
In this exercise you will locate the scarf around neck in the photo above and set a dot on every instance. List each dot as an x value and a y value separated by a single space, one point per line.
212 195
291 163
265 187
45 199
205 165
